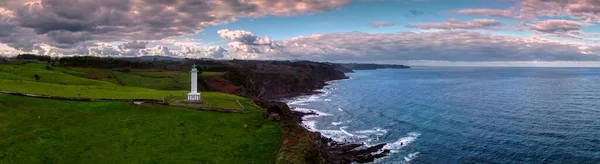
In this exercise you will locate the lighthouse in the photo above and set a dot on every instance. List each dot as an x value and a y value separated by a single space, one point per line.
194 95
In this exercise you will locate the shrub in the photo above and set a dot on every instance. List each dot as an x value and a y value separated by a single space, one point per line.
126 70
274 117
37 77
48 67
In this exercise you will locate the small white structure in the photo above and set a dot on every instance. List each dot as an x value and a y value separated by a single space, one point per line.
194 95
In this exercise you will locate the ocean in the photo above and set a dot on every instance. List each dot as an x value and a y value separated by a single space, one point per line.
464 115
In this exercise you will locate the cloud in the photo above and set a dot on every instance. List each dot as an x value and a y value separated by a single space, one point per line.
245 44
5 13
458 24
488 12
134 45
215 52
416 12
381 24
587 10
242 36
27 23
563 28
456 46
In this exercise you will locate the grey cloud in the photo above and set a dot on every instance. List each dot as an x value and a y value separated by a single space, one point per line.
556 26
247 42
238 36
58 23
201 52
560 28
133 45
588 10
437 46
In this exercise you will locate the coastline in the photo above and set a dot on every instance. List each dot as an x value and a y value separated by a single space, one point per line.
330 150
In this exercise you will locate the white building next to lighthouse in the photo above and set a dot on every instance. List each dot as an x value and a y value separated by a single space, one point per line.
194 95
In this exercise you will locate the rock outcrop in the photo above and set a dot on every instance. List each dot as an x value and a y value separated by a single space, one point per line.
302 146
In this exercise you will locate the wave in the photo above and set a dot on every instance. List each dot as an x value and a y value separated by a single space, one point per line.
310 125
410 157
304 100
368 137
402 142
377 131
307 110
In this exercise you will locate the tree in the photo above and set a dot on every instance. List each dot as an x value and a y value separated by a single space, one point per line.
37 77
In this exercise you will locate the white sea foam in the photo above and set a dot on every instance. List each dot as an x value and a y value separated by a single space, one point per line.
310 125
343 129
402 142
304 100
367 137
336 135
376 131
306 110
410 157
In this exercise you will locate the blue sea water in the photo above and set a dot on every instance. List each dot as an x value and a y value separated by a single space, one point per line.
465 115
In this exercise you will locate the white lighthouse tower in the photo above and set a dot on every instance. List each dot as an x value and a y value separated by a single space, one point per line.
194 95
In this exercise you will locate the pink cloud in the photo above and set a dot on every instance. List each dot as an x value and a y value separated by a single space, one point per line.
488 12
556 26
458 24
381 24
27 23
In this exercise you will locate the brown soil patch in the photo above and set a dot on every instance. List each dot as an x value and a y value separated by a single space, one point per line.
219 83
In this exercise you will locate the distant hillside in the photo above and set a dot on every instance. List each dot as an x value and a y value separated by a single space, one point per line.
152 58
357 66
249 78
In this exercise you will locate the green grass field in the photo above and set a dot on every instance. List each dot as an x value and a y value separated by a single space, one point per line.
116 132
73 82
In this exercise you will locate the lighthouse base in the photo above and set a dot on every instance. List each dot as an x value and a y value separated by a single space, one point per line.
193 97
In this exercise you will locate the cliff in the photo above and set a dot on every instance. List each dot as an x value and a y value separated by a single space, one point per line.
278 79
302 146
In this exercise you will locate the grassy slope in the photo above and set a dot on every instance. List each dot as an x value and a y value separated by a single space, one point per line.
171 82
115 132
71 82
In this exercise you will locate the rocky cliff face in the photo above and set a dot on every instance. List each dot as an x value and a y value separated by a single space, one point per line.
278 79
302 146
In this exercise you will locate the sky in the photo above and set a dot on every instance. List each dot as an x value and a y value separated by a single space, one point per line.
413 32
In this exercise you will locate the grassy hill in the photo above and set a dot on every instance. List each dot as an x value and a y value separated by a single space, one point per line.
72 82
116 132
34 130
